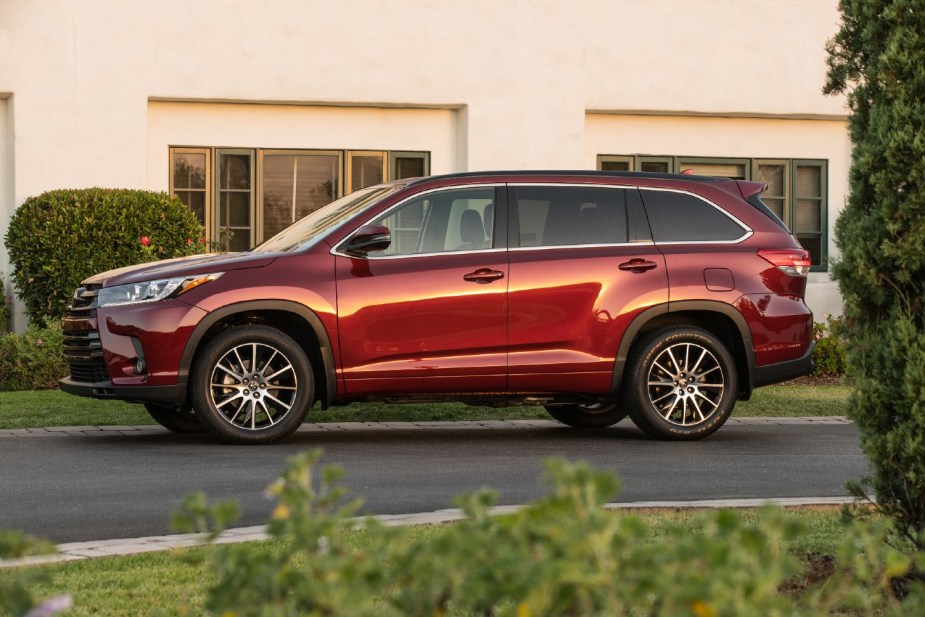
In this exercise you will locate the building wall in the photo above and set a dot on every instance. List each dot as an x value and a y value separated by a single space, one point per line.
503 84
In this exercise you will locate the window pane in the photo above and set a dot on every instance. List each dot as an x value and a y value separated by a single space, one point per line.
808 215
719 170
813 244
776 205
195 201
295 186
563 216
236 209
442 221
189 171
365 170
679 217
235 171
240 240
659 167
409 167
774 176
615 166
809 181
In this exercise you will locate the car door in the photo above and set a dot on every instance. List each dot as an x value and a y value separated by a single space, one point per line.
582 266
429 314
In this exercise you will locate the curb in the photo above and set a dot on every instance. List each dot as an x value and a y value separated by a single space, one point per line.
333 427
78 551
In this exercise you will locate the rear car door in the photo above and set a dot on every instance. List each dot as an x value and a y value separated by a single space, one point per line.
429 314
582 266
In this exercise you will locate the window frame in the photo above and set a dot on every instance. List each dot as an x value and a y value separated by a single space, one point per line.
823 166
252 153
209 213
348 167
682 161
407 154
615 158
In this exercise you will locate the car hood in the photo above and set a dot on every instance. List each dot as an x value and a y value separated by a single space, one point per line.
181 266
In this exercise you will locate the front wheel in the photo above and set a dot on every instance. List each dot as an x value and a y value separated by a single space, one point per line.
252 384
680 384
592 415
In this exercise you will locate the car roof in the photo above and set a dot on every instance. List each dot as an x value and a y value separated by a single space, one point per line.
568 172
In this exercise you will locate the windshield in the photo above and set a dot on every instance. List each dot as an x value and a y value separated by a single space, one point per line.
305 231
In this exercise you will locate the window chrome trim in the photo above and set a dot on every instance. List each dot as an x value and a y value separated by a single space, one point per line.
336 249
581 246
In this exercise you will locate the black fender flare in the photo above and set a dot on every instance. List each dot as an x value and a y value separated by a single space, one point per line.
286 306
706 306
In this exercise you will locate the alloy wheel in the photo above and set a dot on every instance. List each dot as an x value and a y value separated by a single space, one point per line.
685 384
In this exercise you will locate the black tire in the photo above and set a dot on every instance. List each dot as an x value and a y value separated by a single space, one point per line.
175 418
680 398
248 406
594 415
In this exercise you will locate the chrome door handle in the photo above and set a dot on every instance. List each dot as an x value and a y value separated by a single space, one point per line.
483 275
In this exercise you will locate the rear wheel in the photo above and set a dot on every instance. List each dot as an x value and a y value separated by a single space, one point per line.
592 415
179 419
680 384
252 384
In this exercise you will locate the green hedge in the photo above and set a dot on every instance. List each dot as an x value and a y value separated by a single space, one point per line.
58 238
34 360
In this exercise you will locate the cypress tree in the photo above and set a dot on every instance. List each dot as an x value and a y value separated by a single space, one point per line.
877 59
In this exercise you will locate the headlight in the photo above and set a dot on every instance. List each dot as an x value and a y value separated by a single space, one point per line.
151 291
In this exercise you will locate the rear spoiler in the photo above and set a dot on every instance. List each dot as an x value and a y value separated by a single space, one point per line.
748 188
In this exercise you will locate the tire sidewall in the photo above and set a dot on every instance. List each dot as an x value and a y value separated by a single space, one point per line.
643 410
205 363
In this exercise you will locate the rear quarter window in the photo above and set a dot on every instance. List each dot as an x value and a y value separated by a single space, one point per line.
681 217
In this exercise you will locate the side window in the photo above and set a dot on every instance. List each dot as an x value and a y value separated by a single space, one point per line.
679 217
570 215
442 221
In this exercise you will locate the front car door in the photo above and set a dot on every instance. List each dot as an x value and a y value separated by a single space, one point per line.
429 314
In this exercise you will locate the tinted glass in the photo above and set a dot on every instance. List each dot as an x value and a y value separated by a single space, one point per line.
570 215
679 217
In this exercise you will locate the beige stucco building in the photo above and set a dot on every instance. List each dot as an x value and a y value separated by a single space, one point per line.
255 112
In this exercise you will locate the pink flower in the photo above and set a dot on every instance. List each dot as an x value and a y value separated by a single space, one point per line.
145 241
202 240
189 241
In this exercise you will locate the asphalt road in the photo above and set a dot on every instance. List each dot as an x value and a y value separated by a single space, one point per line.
107 486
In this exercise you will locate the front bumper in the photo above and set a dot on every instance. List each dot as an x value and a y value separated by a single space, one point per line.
171 394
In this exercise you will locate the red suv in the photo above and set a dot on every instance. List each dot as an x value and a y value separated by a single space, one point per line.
594 294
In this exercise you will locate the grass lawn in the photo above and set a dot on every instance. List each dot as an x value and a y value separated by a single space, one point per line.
54 408
168 584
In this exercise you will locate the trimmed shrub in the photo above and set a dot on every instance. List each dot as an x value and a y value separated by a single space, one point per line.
877 58
59 238
33 361
829 352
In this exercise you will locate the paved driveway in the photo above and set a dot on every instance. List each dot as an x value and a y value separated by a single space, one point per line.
97 484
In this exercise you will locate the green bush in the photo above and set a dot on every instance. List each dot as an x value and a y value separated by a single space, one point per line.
34 360
59 238
829 352
6 309
563 555
877 58
16 598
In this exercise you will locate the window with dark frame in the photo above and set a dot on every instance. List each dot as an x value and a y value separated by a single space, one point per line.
797 188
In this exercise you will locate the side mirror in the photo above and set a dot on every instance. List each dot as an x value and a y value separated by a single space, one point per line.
368 238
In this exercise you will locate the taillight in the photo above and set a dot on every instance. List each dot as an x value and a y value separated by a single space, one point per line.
794 262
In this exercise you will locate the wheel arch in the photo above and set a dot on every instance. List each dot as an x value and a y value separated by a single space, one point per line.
718 318
296 320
